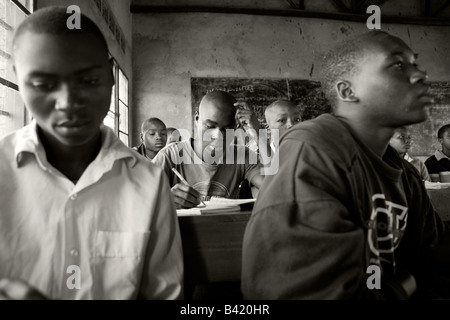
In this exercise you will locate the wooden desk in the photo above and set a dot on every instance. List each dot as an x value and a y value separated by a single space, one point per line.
441 202
212 246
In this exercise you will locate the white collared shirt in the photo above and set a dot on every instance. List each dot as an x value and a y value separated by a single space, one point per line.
118 224
420 166
440 155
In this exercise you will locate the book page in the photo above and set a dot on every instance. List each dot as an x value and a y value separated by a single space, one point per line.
216 205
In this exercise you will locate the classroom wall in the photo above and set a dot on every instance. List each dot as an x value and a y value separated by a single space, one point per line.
170 48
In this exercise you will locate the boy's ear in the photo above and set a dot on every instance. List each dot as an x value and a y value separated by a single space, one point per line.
111 65
196 116
345 91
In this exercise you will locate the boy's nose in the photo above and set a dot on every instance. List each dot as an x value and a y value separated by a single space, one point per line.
215 134
418 76
66 98
289 123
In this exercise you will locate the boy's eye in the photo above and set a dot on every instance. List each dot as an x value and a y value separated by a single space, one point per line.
398 65
90 80
43 85
282 120
297 120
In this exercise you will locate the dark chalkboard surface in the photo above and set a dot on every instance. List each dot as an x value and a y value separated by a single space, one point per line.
259 93
308 96
425 133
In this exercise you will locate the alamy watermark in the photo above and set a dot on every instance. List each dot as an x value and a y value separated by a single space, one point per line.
238 146
374 21
74 21
74 280
374 280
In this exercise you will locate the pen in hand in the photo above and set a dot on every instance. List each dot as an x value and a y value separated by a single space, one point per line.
185 182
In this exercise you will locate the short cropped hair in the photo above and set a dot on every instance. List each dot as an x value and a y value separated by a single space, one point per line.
443 130
146 122
219 95
53 20
170 130
342 61
278 102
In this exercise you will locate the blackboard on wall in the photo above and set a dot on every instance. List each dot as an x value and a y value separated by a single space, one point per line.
308 96
425 134
259 93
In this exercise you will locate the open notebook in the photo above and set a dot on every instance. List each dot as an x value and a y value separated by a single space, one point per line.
437 185
218 205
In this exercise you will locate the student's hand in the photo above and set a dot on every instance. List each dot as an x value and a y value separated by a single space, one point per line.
245 117
184 196
18 290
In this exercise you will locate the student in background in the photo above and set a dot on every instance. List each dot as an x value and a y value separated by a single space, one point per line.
153 137
440 162
202 160
173 135
280 115
343 200
79 218
401 142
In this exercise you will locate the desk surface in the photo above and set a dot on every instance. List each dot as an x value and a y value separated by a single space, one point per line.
440 198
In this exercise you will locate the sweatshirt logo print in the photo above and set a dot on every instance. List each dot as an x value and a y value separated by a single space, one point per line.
386 227
208 189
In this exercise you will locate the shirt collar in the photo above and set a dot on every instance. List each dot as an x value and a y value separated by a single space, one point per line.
28 142
407 157
112 148
440 155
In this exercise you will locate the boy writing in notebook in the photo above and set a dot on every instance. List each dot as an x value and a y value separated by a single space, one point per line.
207 162
346 217
82 215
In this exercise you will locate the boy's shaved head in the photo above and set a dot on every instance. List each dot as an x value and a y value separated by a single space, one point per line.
281 103
145 125
53 20
443 130
343 61
220 99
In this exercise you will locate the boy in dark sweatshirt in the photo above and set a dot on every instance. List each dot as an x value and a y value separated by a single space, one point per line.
345 217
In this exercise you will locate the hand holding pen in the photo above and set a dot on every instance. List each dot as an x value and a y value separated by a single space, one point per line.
184 195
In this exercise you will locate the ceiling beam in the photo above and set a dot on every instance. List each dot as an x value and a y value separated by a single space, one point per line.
425 21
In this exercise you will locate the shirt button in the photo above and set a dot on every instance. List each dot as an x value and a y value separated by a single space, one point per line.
74 252
74 196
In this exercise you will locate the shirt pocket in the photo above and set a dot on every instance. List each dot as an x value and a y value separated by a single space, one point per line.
118 259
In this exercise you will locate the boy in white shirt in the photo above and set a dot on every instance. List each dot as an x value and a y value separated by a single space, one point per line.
82 215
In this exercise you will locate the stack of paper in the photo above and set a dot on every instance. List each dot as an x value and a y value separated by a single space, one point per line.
437 185
217 205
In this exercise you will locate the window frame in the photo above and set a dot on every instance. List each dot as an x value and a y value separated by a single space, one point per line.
116 100
8 84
